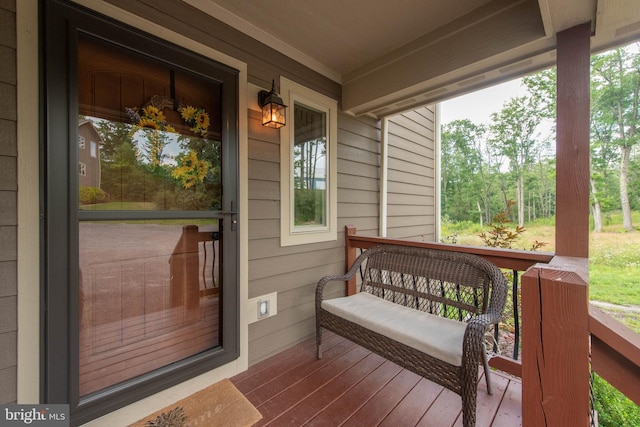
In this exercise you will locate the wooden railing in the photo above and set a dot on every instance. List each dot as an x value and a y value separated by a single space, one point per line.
557 355
615 353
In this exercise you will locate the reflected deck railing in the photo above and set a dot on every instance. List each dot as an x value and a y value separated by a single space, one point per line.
563 337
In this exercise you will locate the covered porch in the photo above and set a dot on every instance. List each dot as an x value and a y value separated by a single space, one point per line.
380 68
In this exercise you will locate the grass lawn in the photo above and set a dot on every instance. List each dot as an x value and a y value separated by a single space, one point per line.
120 206
614 259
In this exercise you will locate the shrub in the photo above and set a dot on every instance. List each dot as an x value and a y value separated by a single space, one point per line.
614 409
91 195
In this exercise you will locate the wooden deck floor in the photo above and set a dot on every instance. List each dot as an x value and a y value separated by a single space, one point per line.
351 386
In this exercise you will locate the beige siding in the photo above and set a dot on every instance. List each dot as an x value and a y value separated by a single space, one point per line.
293 271
411 176
8 203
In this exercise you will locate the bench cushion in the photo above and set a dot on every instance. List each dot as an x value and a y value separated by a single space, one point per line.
436 336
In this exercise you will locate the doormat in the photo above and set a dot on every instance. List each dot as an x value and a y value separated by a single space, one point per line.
218 405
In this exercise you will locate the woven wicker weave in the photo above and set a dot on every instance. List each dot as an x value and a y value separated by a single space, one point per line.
456 285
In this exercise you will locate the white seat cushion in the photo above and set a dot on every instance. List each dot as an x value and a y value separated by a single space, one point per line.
434 335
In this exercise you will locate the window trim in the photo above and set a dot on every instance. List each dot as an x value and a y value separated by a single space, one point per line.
292 92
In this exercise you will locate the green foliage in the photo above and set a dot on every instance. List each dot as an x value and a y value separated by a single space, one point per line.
91 195
614 409
309 206
500 236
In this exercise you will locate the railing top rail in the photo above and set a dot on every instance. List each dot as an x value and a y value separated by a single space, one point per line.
504 258
615 334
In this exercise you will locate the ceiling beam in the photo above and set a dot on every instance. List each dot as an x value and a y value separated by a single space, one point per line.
460 48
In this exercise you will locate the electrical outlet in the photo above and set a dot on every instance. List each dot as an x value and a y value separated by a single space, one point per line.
262 307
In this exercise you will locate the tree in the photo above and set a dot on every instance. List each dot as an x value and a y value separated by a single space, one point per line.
615 95
468 169
515 135
113 134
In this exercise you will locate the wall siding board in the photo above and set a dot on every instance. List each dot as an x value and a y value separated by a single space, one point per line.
264 209
357 183
358 169
410 194
264 190
282 283
264 151
263 229
265 346
410 199
361 197
266 267
407 210
270 248
8 137
8 204
409 175
261 170
8 208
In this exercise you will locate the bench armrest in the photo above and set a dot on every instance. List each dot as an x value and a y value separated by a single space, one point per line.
474 334
342 278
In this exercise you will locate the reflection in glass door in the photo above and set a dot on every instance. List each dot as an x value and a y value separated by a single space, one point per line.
149 239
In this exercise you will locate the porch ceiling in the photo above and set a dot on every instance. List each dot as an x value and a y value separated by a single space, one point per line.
391 56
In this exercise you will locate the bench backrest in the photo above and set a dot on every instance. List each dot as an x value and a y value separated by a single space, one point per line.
449 284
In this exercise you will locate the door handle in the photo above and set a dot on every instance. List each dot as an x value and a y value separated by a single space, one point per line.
234 218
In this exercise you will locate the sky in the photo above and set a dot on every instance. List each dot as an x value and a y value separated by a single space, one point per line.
478 106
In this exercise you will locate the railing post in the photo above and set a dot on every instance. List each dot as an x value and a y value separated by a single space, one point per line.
351 255
183 264
555 350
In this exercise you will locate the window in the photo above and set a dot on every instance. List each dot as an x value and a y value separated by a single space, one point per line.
82 169
94 149
81 142
308 211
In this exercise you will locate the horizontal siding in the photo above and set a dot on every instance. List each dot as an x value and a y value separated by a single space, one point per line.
293 271
8 204
411 175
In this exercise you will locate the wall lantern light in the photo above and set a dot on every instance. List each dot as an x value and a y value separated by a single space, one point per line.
273 108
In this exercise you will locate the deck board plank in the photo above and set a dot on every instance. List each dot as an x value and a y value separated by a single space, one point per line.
510 411
272 388
414 405
289 361
337 388
385 401
289 397
352 386
342 409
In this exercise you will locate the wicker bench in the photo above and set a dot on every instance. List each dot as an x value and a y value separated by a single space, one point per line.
426 310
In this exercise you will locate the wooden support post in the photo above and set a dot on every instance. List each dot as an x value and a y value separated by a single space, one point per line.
572 142
351 255
555 351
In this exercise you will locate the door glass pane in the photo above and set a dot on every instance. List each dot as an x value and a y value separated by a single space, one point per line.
155 134
149 289
149 296
310 167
